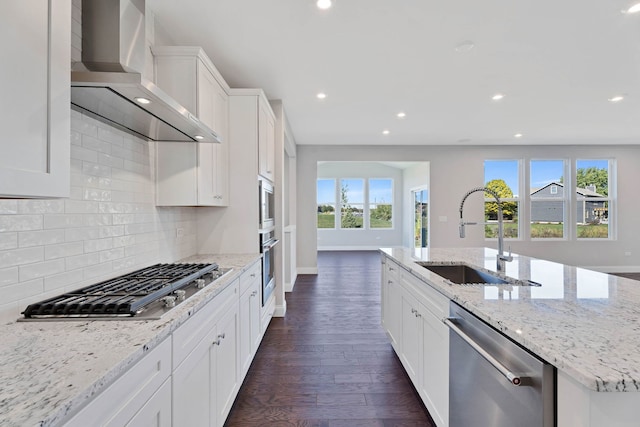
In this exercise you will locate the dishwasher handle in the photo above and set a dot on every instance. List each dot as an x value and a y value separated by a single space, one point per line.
514 379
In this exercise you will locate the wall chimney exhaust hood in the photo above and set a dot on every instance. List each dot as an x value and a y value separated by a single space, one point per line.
108 83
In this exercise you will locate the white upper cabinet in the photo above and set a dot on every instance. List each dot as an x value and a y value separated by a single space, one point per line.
35 41
266 141
190 174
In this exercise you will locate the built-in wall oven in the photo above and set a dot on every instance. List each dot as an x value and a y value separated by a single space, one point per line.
267 205
267 244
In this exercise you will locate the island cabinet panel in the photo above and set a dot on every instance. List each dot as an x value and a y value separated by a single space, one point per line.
192 174
138 394
416 311
35 39
581 407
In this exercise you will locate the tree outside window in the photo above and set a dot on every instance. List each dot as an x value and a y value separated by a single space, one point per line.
593 199
502 176
380 203
351 203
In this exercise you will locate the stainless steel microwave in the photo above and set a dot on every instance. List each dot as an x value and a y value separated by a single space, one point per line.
267 205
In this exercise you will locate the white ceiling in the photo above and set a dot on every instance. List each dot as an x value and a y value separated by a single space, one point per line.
556 61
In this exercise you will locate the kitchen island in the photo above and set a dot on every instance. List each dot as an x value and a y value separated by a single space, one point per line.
51 369
583 322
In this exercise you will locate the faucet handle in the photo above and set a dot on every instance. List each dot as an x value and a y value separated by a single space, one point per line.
508 257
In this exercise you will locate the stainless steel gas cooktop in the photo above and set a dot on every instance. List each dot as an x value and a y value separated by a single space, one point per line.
144 294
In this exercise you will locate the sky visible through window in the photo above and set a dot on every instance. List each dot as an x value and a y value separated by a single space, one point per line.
545 172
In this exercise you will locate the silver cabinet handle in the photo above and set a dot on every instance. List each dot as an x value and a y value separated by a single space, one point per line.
216 342
389 281
254 293
253 275
413 311
221 335
391 269
513 378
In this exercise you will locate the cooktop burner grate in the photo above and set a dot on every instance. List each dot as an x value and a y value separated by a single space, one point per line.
125 295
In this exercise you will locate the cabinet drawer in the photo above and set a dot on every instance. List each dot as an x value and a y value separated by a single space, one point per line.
250 276
432 300
187 336
120 402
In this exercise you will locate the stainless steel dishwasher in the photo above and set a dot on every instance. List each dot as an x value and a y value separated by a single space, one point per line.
493 382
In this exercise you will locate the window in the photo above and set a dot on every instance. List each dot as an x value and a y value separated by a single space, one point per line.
351 203
326 198
593 199
548 199
381 203
362 203
502 176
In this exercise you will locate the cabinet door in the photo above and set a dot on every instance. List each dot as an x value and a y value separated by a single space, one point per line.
157 411
392 306
266 141
225 363
35 39
193 395
435 372
221 151
411 355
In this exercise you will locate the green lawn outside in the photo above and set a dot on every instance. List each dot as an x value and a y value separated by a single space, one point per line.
326 220
379 223
548 231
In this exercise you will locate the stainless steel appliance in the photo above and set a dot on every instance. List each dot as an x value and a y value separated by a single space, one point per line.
144 294
492 380
108 83
267 205
267 244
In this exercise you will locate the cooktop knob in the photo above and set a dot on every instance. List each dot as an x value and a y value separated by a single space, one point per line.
181 294
199 283
169 301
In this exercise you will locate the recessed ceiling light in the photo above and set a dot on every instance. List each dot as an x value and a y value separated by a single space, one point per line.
143 101
497 97
385 132
324 4
517 135
401 115
465 46
199 137
634 9
321 95
616 98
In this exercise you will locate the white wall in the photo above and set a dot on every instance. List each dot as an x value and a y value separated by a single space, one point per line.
109 226
454 170
363 238
413 177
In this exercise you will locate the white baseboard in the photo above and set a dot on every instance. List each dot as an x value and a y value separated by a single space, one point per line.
280 310
307 270
348 248
288 287
614 268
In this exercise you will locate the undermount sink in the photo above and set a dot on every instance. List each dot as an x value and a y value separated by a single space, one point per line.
463 274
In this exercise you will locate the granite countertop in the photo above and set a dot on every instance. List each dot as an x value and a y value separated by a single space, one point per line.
50 369
585 323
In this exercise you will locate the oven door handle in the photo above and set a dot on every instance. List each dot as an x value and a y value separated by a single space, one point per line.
270 244
514 379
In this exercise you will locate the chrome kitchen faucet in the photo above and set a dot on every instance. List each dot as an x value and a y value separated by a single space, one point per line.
501 258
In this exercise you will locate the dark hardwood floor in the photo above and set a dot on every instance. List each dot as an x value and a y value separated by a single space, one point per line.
328 363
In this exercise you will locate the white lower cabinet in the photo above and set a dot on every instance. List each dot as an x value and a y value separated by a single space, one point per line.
392 303
206 381
250 304
412 318
193 377
137 398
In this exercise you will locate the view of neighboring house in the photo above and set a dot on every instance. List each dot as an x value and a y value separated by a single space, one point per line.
547 210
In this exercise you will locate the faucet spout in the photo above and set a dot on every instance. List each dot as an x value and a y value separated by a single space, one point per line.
501 257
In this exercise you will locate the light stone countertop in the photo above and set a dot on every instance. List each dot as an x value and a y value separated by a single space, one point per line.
585 323
51 369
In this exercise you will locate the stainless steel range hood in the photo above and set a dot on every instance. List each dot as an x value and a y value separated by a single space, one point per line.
108 83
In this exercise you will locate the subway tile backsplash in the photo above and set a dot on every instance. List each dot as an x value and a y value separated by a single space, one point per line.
109 226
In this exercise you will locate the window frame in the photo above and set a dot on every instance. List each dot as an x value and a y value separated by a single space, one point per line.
566 199
518 200
370 203
334 204
610 199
